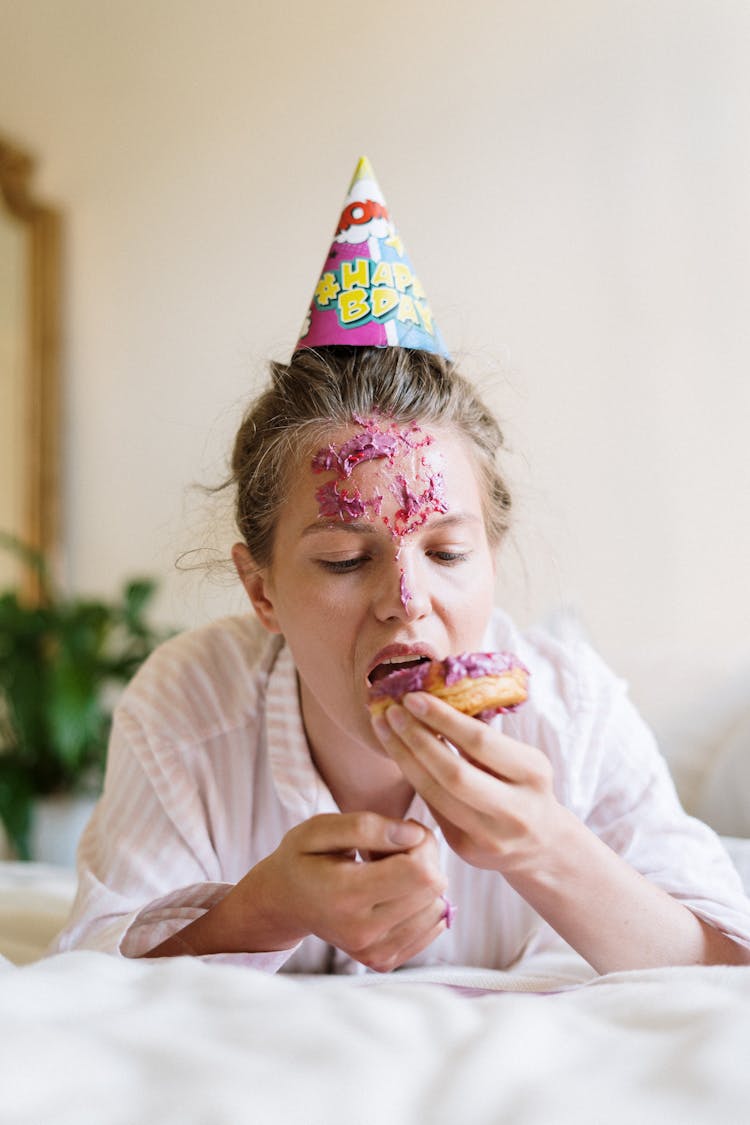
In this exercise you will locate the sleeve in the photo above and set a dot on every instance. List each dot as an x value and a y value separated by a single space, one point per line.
146 865
619 784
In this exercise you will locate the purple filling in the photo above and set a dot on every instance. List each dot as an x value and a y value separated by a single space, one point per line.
471 665
398 683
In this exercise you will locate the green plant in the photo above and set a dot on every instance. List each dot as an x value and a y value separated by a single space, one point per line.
61 659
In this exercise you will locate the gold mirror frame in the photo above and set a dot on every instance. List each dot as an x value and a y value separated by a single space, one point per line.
37 424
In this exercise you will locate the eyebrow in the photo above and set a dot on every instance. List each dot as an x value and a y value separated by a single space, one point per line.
364 527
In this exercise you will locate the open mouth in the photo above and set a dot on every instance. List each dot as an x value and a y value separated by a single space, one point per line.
395 664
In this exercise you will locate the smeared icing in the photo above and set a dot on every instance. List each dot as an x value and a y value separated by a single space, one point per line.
417 498
336 503
404 592
371 444
471 665
415 509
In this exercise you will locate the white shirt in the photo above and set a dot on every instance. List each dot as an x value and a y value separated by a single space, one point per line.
209 767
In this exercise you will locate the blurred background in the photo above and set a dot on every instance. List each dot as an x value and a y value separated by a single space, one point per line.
571 179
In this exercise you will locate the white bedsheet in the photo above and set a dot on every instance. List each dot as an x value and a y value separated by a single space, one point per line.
89 1039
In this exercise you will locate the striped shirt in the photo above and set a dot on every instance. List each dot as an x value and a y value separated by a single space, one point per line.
209 767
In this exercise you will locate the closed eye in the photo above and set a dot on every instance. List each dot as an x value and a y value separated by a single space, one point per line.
342 566
449 558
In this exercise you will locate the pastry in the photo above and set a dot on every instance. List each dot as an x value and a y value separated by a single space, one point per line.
477 683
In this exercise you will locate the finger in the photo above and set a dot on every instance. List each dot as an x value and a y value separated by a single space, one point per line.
428 844
405 876
408 938
487 746
393 912
330 833
442 778
450 770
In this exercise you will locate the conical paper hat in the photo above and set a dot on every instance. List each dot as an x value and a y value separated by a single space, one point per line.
368 293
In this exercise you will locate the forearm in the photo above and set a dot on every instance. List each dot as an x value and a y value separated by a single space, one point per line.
610 913
239 923
381 913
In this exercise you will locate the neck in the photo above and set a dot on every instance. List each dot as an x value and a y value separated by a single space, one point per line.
360 776
389 798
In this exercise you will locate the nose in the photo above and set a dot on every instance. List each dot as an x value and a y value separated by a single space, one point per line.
402 593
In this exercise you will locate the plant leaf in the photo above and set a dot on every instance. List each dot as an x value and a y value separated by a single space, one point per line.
16 797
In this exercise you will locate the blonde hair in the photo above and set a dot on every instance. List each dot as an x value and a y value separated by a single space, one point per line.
326 388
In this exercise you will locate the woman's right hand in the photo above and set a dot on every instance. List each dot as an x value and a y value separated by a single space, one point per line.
381 913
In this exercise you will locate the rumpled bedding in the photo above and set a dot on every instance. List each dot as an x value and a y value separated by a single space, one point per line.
90 1039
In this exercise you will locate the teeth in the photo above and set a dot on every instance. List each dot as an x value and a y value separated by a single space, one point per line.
392 662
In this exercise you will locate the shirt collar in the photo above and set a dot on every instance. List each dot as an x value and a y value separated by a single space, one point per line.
299 786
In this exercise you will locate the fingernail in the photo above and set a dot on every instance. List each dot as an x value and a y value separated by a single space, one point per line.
404 833
417 704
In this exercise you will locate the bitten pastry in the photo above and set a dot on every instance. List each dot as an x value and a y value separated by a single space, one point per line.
477 683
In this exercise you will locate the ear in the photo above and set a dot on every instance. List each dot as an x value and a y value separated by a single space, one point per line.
257 587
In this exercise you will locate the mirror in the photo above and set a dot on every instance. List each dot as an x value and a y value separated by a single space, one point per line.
29 366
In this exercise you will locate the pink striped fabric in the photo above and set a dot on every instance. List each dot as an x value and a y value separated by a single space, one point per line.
209 768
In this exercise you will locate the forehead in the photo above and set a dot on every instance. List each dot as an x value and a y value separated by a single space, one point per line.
377 441
379 445
380 468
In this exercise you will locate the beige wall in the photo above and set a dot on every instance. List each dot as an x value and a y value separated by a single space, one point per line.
572 181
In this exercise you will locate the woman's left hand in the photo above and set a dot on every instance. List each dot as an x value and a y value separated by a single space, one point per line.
493 800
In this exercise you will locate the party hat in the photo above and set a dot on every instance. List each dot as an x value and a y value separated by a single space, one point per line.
368 293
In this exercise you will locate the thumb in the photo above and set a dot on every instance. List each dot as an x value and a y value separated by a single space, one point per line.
405 833
360 831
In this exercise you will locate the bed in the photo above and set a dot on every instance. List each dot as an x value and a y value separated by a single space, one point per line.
87 1038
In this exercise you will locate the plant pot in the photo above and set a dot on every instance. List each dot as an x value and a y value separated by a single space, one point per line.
56 826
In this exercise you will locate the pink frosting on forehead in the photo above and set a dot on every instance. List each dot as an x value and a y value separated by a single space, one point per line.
374 442
415 509
367 446
335 503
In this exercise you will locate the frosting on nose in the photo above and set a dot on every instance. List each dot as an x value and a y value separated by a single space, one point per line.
404 591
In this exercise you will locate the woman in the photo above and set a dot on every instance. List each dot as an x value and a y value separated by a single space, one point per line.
252 808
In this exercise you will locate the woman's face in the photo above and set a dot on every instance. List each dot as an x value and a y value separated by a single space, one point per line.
380 556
